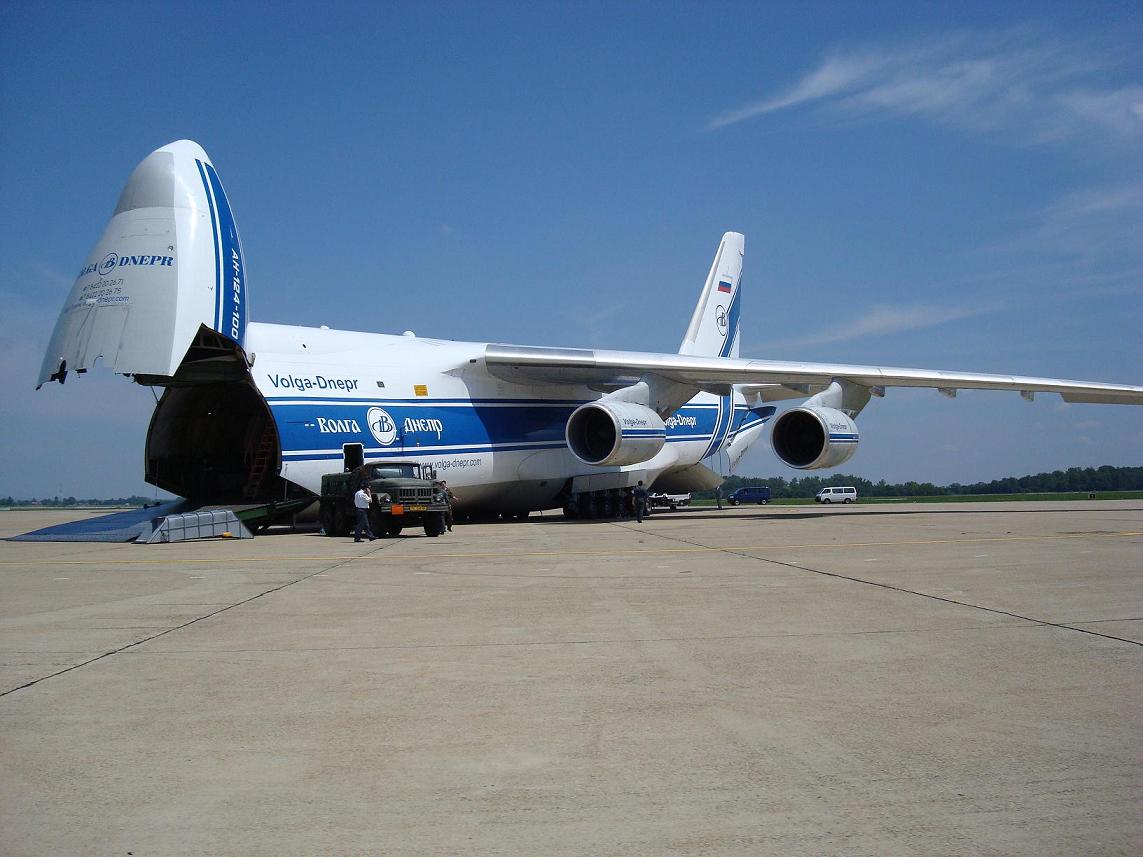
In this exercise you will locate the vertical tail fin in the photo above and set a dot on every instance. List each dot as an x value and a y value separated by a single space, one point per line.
168 263
713 331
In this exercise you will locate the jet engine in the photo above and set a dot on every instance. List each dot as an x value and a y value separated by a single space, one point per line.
614 433
809 438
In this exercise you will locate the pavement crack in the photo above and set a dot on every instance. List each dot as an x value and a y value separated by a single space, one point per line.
901 589
190 622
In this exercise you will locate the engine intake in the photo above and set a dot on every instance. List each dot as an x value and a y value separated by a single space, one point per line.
614 433
810 438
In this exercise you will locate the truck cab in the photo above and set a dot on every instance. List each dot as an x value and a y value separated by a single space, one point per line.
404 494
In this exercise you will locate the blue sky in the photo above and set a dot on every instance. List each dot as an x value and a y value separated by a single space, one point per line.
931 187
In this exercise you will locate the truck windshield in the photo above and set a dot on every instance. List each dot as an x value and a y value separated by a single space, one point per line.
388 471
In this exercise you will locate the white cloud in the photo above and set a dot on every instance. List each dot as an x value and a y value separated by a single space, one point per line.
1018 84
1120 110
835 75
1098 226
883 320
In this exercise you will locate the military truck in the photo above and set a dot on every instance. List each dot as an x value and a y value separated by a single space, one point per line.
404 495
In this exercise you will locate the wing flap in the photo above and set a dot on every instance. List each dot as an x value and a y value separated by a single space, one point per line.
594 367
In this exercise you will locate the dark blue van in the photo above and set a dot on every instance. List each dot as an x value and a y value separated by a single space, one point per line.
759 494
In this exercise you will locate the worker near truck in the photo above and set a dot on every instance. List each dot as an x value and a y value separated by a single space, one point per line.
450 498
361 501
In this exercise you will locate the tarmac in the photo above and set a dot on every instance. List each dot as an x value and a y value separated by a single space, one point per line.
866 680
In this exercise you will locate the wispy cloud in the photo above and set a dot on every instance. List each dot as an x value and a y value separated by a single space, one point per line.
1017 83
882 320
1089 238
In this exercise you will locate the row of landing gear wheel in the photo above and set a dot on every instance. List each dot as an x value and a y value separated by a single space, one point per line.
593 505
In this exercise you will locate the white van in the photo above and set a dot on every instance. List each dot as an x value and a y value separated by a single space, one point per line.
836 495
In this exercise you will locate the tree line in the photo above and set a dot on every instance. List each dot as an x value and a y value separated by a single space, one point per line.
133 500
1106 478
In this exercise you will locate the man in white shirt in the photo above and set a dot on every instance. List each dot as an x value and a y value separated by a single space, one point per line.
361 501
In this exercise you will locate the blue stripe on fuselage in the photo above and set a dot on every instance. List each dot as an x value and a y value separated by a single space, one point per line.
308 427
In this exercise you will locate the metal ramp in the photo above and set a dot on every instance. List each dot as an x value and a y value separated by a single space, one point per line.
115 527
210 524
142 525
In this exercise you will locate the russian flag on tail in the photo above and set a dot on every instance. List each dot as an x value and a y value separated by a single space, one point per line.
724 286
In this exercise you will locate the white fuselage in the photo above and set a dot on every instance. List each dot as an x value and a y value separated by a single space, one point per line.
498 443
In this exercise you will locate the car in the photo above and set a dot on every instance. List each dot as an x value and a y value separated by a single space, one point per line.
759 494
836 494
659 500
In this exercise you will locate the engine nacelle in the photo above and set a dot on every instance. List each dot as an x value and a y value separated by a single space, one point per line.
809 438
614 433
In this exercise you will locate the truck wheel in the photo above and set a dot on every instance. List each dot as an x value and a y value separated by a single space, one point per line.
339 527
325 515
434 525
393 529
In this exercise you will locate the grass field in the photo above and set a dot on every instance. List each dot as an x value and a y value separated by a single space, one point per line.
963 498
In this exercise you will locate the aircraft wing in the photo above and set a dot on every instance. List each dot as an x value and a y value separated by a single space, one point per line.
770 379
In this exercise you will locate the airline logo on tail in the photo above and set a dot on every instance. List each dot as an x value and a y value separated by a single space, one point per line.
113 260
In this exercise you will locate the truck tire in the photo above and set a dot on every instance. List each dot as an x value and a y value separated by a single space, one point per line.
434 524
325 515
392 528
340 524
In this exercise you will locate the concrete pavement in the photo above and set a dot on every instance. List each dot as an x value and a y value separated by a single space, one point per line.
912 679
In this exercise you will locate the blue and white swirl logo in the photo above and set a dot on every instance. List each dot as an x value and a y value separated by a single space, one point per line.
382 426
108 264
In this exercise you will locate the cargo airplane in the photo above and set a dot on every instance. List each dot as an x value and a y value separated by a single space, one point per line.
255 411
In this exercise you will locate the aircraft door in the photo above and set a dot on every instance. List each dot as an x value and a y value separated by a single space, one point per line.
353 456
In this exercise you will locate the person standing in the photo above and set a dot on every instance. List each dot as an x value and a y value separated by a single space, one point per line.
450 498
361 501
718 495
640 502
